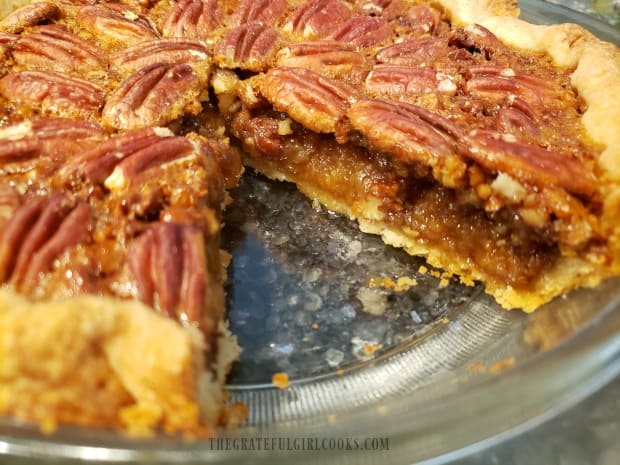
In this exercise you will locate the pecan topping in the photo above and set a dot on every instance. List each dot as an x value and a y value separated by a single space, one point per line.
382 7
478 40
395 81
29 15
9 202
251 47
264 11
117 161
498 82
519 118
6 44
315 101
53 93
57 138
37 234
362 31
54 48
171 51
529 163
411 134
169 264
327 57
154 96
192 19
114 24
421 19
316 18
414 52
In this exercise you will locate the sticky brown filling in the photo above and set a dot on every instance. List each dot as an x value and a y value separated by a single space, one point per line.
505 249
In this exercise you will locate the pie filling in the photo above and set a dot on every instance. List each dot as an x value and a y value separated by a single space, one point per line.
119 129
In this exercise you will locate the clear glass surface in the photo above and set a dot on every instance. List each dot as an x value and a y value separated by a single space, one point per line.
435 366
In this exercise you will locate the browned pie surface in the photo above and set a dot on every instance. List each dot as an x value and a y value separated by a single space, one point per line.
118 127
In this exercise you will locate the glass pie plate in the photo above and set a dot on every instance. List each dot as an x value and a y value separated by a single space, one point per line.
384 355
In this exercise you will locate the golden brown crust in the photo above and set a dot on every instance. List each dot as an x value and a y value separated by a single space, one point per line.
96 361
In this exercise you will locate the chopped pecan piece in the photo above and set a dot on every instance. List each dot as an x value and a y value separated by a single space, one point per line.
264 11
396 81
114 25
39 232
192 19
154 96
529 163
53 93
54 48
29 15
316 18
411 134
328 57
315 101
498 82
169 264
118 161
414 52
362 31
250 47
56 138
171 51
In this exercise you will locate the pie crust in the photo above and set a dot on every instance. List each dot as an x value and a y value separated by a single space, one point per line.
106 349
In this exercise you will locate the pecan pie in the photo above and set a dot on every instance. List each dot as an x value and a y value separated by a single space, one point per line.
451 128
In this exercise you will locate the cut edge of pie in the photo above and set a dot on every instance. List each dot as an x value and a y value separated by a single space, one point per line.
595 75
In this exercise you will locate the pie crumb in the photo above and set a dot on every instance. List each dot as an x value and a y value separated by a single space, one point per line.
280 380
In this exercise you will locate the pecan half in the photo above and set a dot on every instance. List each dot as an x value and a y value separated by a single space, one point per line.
249 47
114 25
6 44
477 39
362 31
315 101
529 163
29 15
328 57
53 93
519 118
54 48
169 264
192 19
421 19
154 96
264 11
56 138
316 18
397 81
171 51
414 52
497 82
118 161
39 232
412 134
